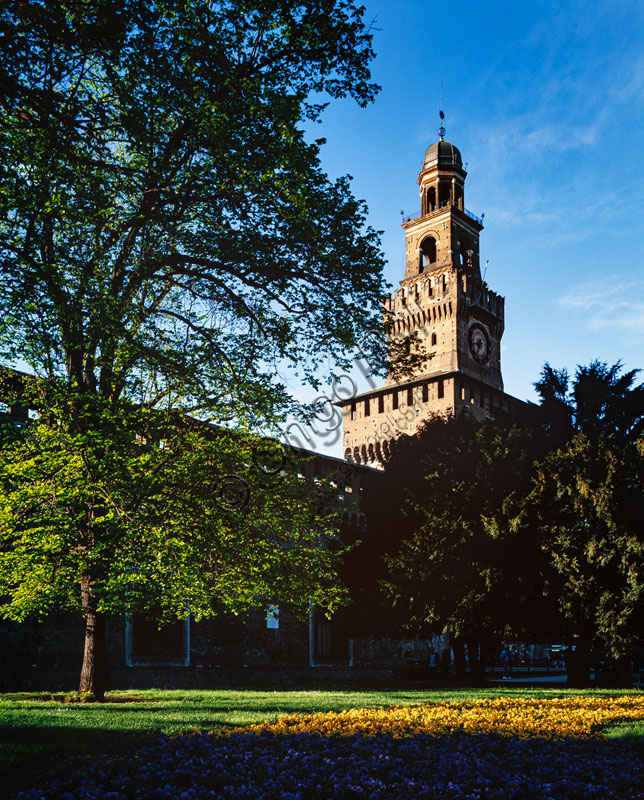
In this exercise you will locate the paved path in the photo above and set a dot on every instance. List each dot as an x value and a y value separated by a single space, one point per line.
528 679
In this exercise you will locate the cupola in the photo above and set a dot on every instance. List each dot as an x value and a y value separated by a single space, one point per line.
442 154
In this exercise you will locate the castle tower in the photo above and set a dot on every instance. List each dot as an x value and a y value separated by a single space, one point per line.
443 299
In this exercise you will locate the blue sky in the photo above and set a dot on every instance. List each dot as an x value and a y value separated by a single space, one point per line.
545 100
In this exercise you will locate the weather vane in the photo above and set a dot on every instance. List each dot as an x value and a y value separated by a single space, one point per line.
441 130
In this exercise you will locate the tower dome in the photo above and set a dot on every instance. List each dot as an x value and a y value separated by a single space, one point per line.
442 154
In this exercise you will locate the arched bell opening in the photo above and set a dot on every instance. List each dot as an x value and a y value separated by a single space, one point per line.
445 193
466 252
430 200
427 253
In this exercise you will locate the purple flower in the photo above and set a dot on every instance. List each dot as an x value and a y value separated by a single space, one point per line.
312 767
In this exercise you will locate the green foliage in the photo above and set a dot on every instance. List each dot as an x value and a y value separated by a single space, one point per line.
534 532
169 245
164 513
585 505
79 697
458 568
166 231
600 402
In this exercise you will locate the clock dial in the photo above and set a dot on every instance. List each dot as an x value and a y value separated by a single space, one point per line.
479 343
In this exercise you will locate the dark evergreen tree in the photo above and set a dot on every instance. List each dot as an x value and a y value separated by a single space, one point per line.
449 563
585 509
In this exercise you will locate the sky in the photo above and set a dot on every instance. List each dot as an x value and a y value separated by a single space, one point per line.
545 101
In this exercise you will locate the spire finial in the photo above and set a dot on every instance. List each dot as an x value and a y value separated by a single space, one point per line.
441 130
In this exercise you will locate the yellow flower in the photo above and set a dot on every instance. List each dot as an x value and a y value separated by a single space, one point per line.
523 718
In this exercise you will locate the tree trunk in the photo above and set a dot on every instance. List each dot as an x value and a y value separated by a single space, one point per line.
578 664
488 651
624 672
94 673
475 664
458 647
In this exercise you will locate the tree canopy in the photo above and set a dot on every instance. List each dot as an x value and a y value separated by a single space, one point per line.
585 508
167 233
178 517
532 531
452 569
601 402
168 242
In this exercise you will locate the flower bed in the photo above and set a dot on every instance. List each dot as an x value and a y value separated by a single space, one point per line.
290 761
522 718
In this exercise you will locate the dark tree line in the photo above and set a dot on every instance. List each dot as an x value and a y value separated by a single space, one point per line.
525 529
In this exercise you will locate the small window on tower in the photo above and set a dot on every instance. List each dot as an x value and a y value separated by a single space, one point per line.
434 339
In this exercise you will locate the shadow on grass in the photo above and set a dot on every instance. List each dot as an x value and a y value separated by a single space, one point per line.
383 767
44 740
35 756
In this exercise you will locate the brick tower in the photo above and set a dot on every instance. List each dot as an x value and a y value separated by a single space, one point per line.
442 298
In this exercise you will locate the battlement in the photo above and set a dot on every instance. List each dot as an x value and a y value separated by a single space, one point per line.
479 294
430 288
440 287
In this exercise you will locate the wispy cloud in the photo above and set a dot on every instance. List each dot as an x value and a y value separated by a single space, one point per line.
581 84
631 87
614 303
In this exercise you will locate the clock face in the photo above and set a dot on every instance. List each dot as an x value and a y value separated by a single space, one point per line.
479 343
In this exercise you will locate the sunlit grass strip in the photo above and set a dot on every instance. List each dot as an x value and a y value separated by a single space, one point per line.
570 717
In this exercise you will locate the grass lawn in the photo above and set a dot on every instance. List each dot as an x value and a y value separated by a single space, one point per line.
43 736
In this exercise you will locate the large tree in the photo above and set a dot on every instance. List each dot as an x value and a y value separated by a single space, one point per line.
158 515
453 566
168 242
585 508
